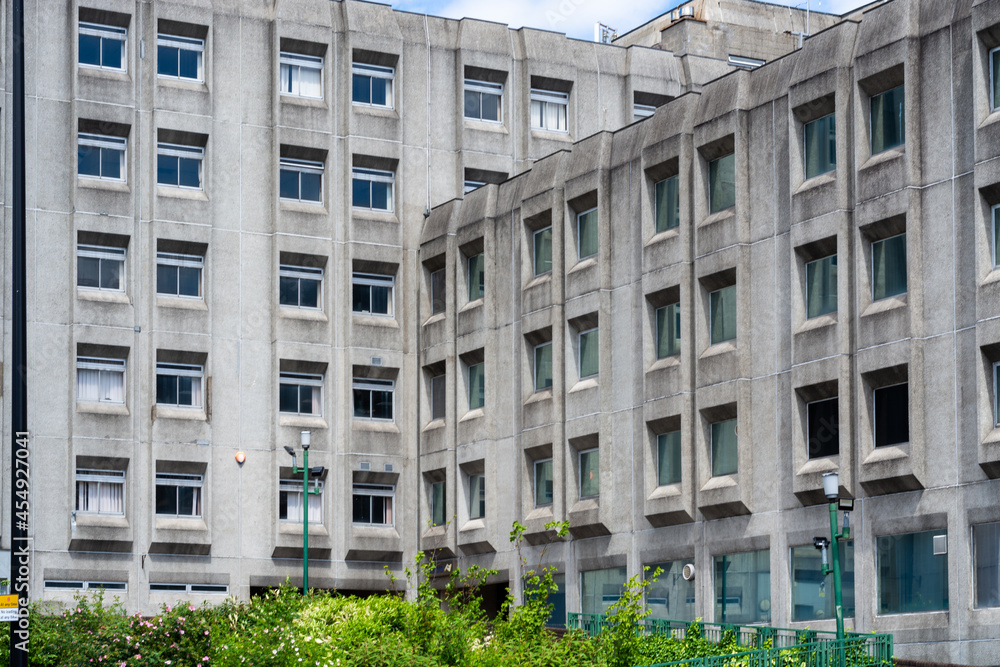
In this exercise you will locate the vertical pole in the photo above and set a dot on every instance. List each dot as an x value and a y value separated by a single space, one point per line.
20 561
838 597
305 521
724 568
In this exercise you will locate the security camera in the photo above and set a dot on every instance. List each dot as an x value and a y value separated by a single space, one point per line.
291 452
821 542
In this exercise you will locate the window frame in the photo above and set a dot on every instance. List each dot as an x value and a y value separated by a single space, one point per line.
300 273
992 57
372 385
479 513
439 283
102 365
179 152
666 227
711 315
535 351
579 234
476 292
660 448
712 184
996 233
434 499
177 480
871 121
483 88
875 418
195 371
477 404
374 72
373 491
374 280
47 585
579 347
883 544
103 142
294 486
116 33
101 254
996 394
534 251
193 589
181 260
712 447
834 278
90 475
300 167
906 276
374 176
438 412
298 61
640 111
551 480
675 344
805 146
181 44
592 451
544 98
993 596
809 431
313 381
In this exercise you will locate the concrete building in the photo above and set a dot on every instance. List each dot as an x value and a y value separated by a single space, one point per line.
446 250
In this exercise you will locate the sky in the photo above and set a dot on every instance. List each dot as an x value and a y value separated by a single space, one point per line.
576 18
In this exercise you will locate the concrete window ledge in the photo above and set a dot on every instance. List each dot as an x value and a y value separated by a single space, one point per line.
891 453
301 420
436 317
673 361
817 181
295 528
102 408
472 414
485 126
296 101
183 304
720 216
388 322
190 414
664 236
379 427
813 323
302 207
193 86
588 383
668 491
538 396
722 482
478 303
434 425
994 275
181 193
885 156
885 305
98 521
105 297
719 348
539 280
302 314
178 523
102 184
584 264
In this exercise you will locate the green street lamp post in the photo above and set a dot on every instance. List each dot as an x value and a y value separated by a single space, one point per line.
831 488
306 439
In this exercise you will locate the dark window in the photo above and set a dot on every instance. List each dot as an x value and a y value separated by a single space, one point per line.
823 428
892 415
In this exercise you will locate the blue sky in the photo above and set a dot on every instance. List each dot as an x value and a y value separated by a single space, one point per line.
576 18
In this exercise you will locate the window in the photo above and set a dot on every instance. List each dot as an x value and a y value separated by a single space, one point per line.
178 495
373 294
548 110
290 501
888 116
668 330
100 491
179 166
640 111
438 503
100 268
371 189
996 236
812 591
722 183
823 428
892 415
541 246
469 186
889 267
373 398
180 58
373 504
821 287
586 234
299 286
670 596
219 589
667 204
102 46
722 305
821 146
543 482
477 496
300 394
986 564
301 180
743 587
372 85
912 572
100 380
58 585
996 394
439 399
725 456
590 469
668 458
599 589
477 277
482 100
179 275
301 75
588 341
439 290
100 156
995 79
179 385
477 385
543 366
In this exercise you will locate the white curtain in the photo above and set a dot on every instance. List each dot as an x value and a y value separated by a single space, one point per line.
97 385
196 392
100 497
309 82
88 384
294 505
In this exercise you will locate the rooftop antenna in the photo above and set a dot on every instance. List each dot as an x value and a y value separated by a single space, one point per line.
604 34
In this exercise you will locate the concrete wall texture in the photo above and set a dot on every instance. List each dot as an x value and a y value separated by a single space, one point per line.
940 335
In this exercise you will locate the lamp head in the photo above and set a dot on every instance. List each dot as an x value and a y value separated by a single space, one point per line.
305 439
831 485
317 471
291 452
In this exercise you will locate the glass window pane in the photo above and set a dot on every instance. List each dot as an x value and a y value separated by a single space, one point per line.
911 577
986 564
543 482
308 293
589 361
166 170
812 591
310 82
723 314
189 64
590 469
491 107
668 331
111 163
472 106
889 267
288 398
668 458
288 291
892 418
362 509
166 499
724 448
381 196
90 50
667 204
996 235
361 193
111 53
823 428
360 89
599 589
543 366
166 60
166 389
381 298
380 91
477 277
186 500
670 596
288 184
88 160
311 185
888 120
995 78
438 397
477 386
743 587
438 291
88 272
477 496
820 146
543 251
722 183
362 403
437 504
111 271
166 279
821 286
587 234
188 281
361 295
381 405
189 172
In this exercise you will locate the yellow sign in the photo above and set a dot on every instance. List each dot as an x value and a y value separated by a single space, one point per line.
8 608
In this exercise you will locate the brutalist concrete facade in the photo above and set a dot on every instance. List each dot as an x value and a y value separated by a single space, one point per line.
939 337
